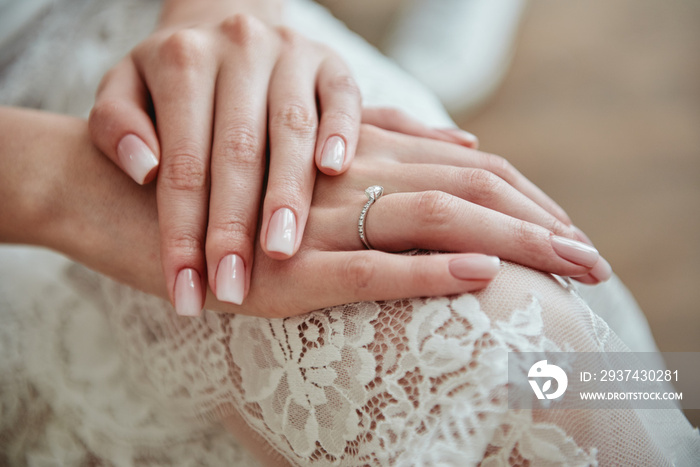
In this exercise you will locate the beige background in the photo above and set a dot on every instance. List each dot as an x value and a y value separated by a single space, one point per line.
601 108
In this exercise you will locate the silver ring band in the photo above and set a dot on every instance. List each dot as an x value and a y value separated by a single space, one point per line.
373 194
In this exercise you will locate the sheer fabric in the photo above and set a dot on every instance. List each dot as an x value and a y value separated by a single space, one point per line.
96 373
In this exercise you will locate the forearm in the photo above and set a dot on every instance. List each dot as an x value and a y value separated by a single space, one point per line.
26 185
192 11
58 191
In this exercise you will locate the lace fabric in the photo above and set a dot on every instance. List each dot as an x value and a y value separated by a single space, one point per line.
95 373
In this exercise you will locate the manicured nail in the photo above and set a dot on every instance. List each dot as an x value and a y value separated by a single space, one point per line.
188 293
137 159
475 267
602 270
463 136
581 236
230 279
333 153
281 234
575 252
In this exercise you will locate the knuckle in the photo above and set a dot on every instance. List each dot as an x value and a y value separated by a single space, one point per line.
483 186
435 208
242 29
524 238
184 49
500 166
230 233
358 272
184 170
295 117
183 243
344 84
242 146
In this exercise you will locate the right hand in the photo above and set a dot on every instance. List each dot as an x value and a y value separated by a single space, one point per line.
452 204
219 89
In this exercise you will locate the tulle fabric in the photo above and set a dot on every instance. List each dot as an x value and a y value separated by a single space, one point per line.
95 373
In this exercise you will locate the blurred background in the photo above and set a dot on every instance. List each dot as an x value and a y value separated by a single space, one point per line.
600 107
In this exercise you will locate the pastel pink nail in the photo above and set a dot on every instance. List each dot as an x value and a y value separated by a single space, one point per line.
574 251
188 293
230 279
475 267
333 154
602 271
136 158
281 233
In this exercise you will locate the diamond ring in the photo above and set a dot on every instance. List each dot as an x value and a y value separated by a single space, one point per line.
373 194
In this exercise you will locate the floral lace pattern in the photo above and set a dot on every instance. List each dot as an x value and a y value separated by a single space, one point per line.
95 373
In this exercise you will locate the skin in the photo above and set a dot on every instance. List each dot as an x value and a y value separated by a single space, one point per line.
59 191
222 77
226 83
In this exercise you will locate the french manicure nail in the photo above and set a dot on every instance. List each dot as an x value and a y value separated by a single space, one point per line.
230 279
188 293
602 271
333 154
137 159
475 267
281 234
574 251
463 136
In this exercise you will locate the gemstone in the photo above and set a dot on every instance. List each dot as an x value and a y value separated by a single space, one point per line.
374 192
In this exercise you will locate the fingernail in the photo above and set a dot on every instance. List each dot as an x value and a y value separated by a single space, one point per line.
137 159
602 270
574 251
281 234
333 153
475 267
230 279
461 135
188 293
581 236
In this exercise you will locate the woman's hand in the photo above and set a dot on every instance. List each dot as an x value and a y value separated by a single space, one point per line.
219 87
99 218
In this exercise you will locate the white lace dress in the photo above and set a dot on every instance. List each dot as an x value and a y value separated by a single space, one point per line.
95 373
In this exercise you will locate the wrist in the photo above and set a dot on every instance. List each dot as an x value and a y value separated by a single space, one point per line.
29 192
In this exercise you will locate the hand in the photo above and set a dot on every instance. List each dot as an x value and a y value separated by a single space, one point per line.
100 219
218 90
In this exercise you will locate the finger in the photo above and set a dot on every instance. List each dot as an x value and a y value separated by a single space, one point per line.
238 164
440 221
334 278
120 124
480 187
435 220
183 89
292 129
341 113
400 122
440 153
